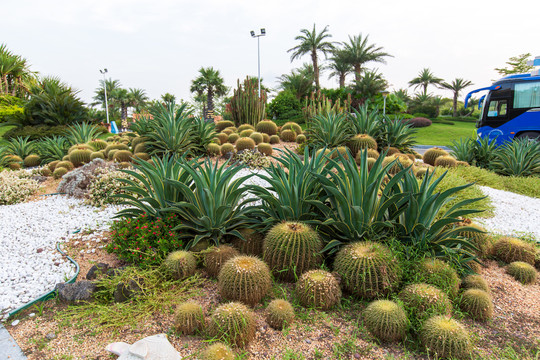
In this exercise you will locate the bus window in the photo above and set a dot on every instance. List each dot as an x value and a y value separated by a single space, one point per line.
527 95
497 108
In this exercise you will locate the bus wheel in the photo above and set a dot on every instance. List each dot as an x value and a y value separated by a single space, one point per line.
531 135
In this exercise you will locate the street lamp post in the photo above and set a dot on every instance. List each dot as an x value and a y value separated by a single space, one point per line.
384 94
104 71
263 33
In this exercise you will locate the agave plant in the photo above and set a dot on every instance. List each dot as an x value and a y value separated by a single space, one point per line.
20 146
204 133
153 187
484 152
365 121
143 125
53 148
81 133
398 134
292 187
213 206
172 130
329 130
464 149
520 157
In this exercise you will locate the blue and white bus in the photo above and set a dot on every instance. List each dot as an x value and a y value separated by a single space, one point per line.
511 108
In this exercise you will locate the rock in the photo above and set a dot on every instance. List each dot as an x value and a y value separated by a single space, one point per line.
155 347
112 272
97 269
31 315
125 292
76 292
50 336
308 341
39 250
15 323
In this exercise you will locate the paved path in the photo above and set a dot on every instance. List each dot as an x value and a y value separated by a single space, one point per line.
9 350
421 149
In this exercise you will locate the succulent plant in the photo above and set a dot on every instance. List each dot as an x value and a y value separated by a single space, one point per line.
246 133
477 303
116 146
424 300
327 152
215 257
227 131
97 155
367 269
370 163
265 149
257 137
245 127
522 272
14 165
318 289
137 140
141 147
223 124
432 154
122 156
222 138
180 264
65 158
390 150
462 163
420 172
445 161
288 136
79 157
475 282
233 138
446 338
97 144
245 143
440 274
218 351
279 314
213 149
59 172
252 243
300 139
233 323
65 164
46 172
80 147
480 239
343 150
401 162
266 138
124 165
411 157
291 248
372 153
189 318
142 156
386 320
111 154
244 278
362 141
274 139
32 160
267 126
292 126
510 249
227 148
14 159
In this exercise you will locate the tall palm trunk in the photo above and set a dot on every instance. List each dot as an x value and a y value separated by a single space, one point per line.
455 104
210 102
123 111
315 68
357 72
342 80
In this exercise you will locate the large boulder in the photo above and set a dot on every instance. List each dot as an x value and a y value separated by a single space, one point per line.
77 292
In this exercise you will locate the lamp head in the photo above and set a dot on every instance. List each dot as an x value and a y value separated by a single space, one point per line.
252 33
263 31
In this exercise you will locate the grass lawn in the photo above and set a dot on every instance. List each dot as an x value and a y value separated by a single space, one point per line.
3 130
442 134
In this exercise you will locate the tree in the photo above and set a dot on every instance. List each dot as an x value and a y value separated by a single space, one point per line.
424 79
298 82
311 43
518 65
15 75
359 52
368 86
339 66
139 99
456 86
122 99
403 95
99 95
167 98
211 82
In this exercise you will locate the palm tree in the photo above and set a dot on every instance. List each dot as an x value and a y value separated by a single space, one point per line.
403 95
368 86
139 99
123 99
456 86
211 82
312 42
359 52
15 75
340 66
167 98
99 94
299 82
424 79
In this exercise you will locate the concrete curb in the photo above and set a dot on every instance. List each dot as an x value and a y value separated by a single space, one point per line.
9 349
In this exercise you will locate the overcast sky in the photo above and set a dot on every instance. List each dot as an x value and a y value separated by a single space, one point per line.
160 45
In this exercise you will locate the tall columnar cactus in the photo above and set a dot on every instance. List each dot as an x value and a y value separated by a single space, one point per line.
233 323
79 157
180 264
189 318
244 278
318 104
432 154
386 320
246 106
291 248
216 257
368 269
446 338
279 314
318 289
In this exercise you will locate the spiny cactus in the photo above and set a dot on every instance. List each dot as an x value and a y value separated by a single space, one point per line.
362 141
267 126
97 155
279 314
218 351
138 140
141 147
300 139
65 164
233 323
244 278
424 300
510 249
463 163
14 159
227 131
480 239
291 248
266 138
477 303
372 153
223 124
370 163
246 133
401 162
252 243
257 137
180 264
142 156
475 282
432 154
390 150
213 149
420 172
215 257
522 272
245 127
288 136
227 148
222 138
297 129
46 172
122 156
245 143
446 338
368 269
343 150
14 165
97 144
274 139
445 161
411 157
80 157
59 172
80 147
440 274
386 320
318 289
32 160
189 318
327 152
233 138
265 149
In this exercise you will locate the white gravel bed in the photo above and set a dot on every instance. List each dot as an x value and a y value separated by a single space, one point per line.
254 180
29 263
514 214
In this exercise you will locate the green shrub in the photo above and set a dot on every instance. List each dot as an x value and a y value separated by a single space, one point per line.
215 257
279 314
233 323
318 289
510 249
446 338
386 320
189 318
522 272
285 106
438 273
180 264
477 303
35 132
